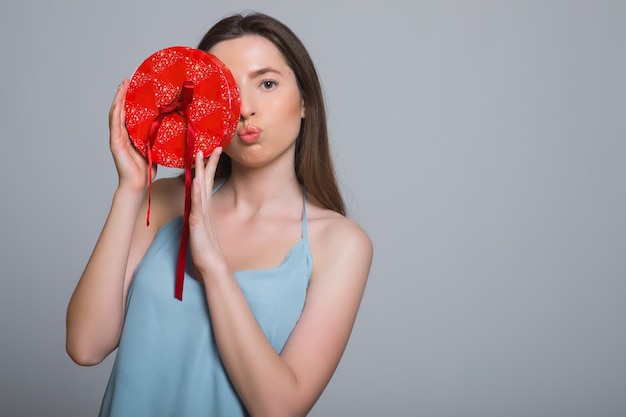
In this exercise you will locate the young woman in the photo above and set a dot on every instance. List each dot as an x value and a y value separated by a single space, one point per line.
276 270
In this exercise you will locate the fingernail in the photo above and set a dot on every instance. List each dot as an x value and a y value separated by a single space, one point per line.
201 154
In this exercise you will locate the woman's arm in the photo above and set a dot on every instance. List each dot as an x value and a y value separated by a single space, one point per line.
287 384
95 311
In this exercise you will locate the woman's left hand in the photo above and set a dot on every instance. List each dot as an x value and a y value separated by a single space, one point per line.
205 248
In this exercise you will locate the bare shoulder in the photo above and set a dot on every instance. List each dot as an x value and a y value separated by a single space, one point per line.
339 243
168 200
168 185
332 229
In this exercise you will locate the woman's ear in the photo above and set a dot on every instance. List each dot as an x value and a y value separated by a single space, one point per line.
302 110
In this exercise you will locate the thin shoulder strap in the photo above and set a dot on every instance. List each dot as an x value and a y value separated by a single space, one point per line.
218 186
305 235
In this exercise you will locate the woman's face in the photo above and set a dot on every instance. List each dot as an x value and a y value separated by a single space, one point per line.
271 104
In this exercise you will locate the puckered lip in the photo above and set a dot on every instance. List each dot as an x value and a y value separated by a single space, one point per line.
249 133
248 130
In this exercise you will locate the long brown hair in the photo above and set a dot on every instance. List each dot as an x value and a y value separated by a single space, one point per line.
313 164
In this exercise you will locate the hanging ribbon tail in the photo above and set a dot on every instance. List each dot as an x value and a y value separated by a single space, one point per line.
186 97
178 106
184 239
150 185
154 130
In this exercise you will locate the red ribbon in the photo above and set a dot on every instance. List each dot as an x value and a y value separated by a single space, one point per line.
178 106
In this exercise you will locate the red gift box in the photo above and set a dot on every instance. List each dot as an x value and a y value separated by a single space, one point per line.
154 97
181 100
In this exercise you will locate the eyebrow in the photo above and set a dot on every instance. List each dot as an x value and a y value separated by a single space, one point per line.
264 71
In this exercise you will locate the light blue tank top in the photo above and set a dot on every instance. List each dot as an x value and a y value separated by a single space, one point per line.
167 362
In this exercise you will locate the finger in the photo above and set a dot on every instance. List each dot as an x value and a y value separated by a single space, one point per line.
123 91
198 180
120 94
196 190
211 166
199 165
117 112
209 173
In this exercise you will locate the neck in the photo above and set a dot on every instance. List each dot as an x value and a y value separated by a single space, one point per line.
269 188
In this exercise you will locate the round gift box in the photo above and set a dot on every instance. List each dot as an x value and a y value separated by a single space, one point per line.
156 85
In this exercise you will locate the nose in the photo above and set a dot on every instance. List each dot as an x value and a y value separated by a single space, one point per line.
247 105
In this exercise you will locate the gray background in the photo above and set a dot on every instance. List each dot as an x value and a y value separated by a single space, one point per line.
481 144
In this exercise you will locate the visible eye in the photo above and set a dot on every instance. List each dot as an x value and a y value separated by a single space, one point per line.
268 84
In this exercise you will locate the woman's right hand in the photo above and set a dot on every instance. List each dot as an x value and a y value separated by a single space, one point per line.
131 165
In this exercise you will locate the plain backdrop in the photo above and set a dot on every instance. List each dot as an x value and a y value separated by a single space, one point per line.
481 144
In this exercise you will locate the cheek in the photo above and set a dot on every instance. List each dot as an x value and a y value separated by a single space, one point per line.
292 95
290 121
295 107
295 116
287 109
